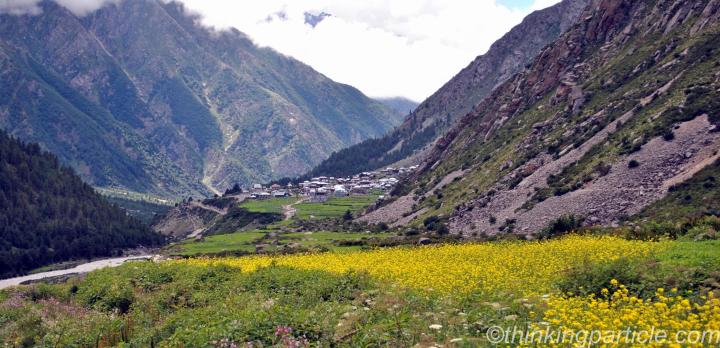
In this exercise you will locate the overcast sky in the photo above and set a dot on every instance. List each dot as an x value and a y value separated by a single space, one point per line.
385 48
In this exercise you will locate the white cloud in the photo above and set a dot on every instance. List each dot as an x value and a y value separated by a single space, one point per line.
32 7
386 48
20 7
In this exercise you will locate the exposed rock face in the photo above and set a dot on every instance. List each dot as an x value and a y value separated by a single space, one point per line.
599 125
458 96
137 95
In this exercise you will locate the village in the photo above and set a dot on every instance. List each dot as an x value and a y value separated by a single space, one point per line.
319 189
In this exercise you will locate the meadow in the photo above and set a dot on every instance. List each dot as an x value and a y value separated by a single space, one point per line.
450 295
278 234
334 207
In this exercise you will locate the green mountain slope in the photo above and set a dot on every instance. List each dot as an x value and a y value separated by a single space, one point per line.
601 124
138 96
47 213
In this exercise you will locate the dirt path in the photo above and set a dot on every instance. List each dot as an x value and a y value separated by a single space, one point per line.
289 210
209 207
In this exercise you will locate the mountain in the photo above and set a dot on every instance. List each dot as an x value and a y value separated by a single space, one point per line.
47 213
620 110
137 95
402 106
457 97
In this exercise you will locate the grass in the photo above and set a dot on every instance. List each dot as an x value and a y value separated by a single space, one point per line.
334 207
240 241
326 239
698 196
246 241
392 297
692 254
273 205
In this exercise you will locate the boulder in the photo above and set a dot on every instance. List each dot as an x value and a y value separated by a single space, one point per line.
424 241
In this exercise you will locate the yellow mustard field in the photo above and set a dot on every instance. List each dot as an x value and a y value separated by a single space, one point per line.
521 268
511 270
619 318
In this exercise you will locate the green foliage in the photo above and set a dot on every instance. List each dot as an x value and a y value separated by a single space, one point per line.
561 226
238 218
273 205
589 278
144 211
47 214
334 207
232 242
690 267
694 198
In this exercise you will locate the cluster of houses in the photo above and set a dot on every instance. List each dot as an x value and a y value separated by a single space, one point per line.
321 188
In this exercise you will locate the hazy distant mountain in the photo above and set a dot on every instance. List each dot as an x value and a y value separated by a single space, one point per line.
457 97
403 106
137 95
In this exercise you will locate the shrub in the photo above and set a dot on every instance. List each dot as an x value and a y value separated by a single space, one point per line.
561 226
669 135
633 164
591 278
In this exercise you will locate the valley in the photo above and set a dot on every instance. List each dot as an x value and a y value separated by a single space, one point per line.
563 190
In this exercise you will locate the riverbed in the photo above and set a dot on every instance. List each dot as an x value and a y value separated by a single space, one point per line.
83 268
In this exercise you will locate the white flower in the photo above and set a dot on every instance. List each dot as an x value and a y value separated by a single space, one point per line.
435 327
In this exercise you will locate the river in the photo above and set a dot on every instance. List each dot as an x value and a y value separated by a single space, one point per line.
83 268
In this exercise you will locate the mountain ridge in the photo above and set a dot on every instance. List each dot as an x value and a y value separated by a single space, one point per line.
453 100
602 124
172 107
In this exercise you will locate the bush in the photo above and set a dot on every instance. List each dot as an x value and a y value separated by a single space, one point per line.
561 226
669 135
436 224
591 278
633 164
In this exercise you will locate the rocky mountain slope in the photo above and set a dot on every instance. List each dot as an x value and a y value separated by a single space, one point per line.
436 114
138 95
603 123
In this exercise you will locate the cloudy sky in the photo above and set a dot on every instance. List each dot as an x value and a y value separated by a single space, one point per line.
385 48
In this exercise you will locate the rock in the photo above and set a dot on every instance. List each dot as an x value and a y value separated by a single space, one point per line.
424 241
705 236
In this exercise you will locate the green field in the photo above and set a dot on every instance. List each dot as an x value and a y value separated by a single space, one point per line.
326 238
240 241
274 205
334 207
246 241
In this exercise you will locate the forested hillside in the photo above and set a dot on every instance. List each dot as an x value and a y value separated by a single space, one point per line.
47 214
